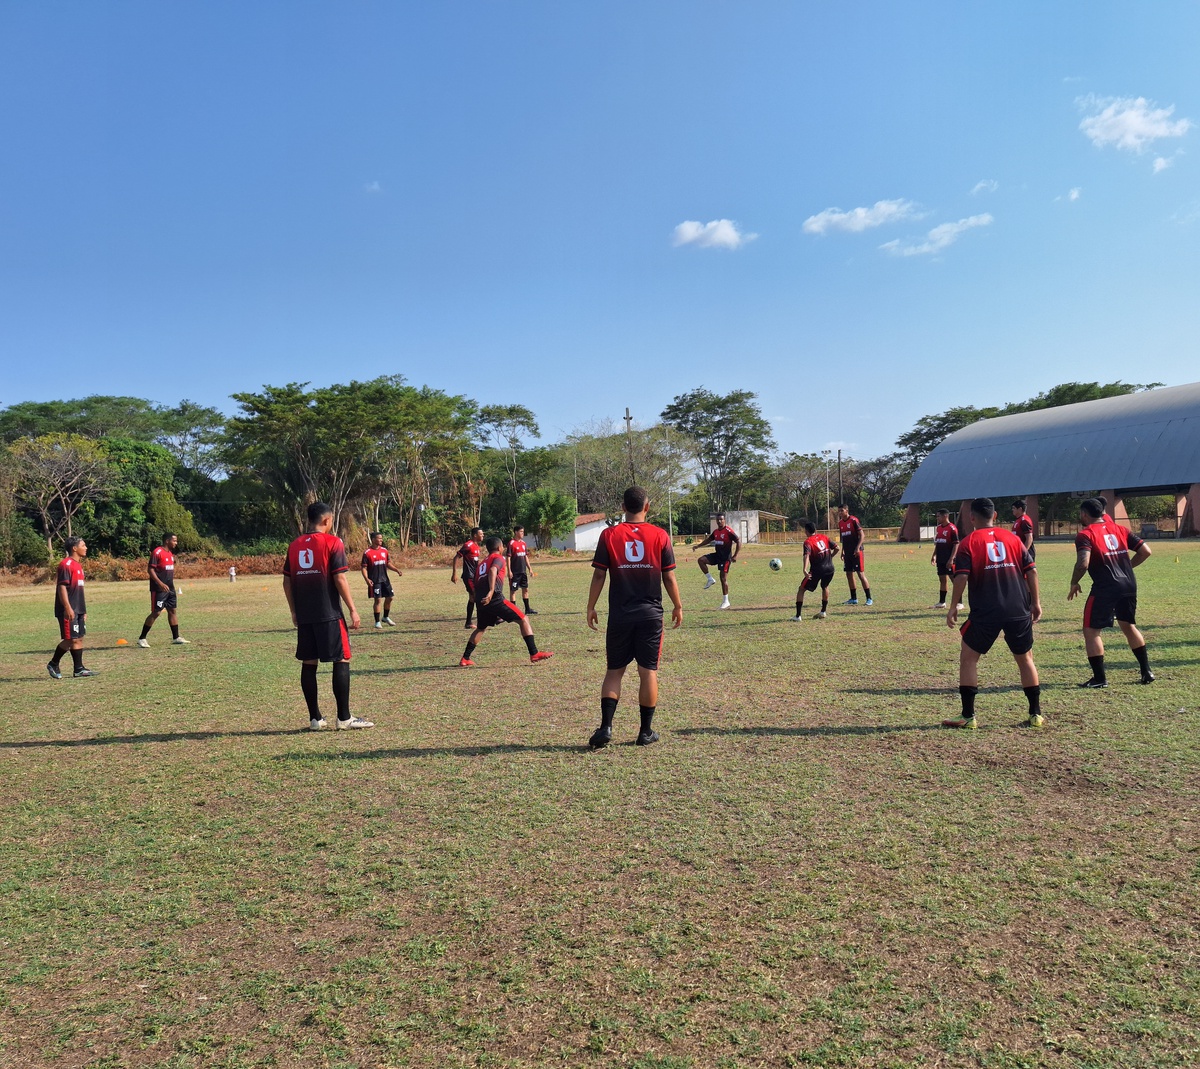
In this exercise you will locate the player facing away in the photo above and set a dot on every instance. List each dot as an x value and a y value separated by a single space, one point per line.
376 563
818 569
726 546
1023 526
161 570
853 559
945 546
70 610
1000 574
518 568
1102 549
492 608
469 553
639 558
314 583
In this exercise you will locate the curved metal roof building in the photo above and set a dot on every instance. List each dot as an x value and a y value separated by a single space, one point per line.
1139 443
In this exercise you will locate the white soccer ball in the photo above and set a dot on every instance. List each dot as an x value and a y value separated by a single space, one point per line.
776 564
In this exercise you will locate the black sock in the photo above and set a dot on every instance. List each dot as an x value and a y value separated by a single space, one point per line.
531 644
58 654
1142 660
77 659
526 600
468 651
470 610
341 688
647 717
1034 694
608 709
1097 664
377 617
824 604
308 685
145 632
941 597
799 607
174 630
867 591
968 701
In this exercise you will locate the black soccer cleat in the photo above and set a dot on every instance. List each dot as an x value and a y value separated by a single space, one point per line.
53 669
1147 677
601 737
647 738
1093 684
531 612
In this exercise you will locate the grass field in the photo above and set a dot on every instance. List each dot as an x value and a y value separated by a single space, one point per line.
806 871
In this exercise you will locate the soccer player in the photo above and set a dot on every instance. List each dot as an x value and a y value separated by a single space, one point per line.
518 567
161 569
1102 549
492 608
70 609
945 545
376 563
852 552
997 569
1023 526
469 553
726 546
314 579
641 562
818 569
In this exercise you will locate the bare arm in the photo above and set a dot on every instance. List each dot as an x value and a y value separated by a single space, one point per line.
343 588
454 567
492 571
701 545
1035 598
64 598
598 576
960 585
393 568
1143 551
366 577
287 593
672 585
1082 559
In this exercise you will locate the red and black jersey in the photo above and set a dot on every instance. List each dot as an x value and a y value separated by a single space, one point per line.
482 589
723 541
1109 565
945 541
313 560
70 575
162 562
1023 527
375 560
852 535
518 556
819 552
995 563
635 555
470 553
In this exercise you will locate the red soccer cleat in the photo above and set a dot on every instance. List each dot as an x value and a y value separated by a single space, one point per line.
464 663
543 655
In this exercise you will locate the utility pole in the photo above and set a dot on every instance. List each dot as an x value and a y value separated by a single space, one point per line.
670 518
826 453
629 439
841 494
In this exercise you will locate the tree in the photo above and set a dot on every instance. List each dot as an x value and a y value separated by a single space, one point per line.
98 416
798 484
504 428
548 514
55 475
729 434
193 434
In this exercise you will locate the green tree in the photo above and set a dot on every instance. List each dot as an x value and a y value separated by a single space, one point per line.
548 514
504 428
56 475
98 416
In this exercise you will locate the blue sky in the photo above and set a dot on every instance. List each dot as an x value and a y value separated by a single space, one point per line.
864 213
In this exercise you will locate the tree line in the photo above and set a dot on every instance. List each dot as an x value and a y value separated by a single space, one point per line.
421 465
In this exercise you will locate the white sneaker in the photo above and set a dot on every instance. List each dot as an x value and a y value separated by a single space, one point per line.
354 722
317 724
181 641
710 581
797 619
389 621
821 615
378 625
940 605
725 604
144 643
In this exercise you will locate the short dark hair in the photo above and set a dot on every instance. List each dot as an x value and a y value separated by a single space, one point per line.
1103 501
518 527
376 534
1093 506
983 507
70 543
843 505
476 530
1019 504
168 535
809 526
943 512
493 543
634 499
317 511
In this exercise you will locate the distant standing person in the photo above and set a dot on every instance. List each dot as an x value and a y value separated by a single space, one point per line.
70 609
161 569
492 608
945 546
818 569
1023 526
518 568
641 561
376 563
314 583
469 553
1002 579
726 546
853 558
1102 550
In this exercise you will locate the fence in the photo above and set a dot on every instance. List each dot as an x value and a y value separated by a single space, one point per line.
870 534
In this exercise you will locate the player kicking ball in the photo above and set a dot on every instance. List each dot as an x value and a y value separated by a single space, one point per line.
818 570
492 608
726 545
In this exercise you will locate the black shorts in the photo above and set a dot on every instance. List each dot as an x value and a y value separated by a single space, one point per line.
945 567
853 562
497 611
518 579
722 566
816 579
326 641
1018 634
469 583
69 629
163 599
634 640
380 590
1100 610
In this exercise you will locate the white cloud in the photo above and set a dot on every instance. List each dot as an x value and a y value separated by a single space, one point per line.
1161 163
939 238
856 220
987 185
1130 123
1074 193
372 187
718 234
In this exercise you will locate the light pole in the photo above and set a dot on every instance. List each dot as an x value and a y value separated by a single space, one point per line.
826 453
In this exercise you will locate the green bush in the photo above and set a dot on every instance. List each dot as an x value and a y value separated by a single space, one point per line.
19 542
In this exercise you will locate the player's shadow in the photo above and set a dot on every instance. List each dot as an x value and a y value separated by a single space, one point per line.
402 671
811 732
120 740
430 751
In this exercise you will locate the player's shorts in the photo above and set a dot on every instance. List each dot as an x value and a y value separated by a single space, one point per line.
327 641
163 599
1100 610
634 640
69 629
518 579
469 583
817 579
381 589
497 611
945 567
722 566
1018 634
853 562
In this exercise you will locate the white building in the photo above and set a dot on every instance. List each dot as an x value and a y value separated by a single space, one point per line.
586 535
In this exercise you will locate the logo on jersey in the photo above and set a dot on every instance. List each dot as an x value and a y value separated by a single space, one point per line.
1112 541
306 558
997 554
821 544
635 551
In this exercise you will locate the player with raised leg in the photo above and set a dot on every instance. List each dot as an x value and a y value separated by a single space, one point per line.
726 546
818 569
493 608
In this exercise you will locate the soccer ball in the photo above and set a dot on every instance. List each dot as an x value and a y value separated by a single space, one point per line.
776 564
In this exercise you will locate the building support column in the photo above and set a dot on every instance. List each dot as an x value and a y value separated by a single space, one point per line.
966 522
1187 512
910 529
1031 510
